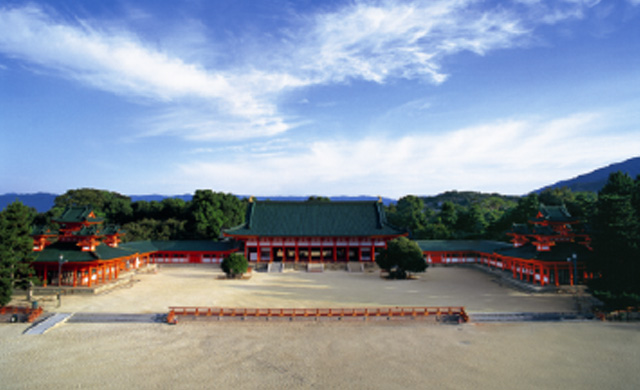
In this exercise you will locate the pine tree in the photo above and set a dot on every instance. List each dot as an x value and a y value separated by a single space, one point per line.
16 247
616 238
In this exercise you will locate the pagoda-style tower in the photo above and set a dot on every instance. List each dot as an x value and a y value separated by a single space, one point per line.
552 224
78 225
42 237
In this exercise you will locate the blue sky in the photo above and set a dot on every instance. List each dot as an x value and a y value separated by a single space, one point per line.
315 97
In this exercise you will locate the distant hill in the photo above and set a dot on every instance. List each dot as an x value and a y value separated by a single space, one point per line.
594 181
341 198
159 198
42 202
468 198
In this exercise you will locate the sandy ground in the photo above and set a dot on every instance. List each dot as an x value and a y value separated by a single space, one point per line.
201 286
327 355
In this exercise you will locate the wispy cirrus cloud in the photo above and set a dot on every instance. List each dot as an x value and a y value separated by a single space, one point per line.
117 61
374 41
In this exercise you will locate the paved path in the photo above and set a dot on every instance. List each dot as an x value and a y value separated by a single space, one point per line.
48 323
526 317
117 317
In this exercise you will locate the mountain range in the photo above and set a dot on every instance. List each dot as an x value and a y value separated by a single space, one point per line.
595 180
592 181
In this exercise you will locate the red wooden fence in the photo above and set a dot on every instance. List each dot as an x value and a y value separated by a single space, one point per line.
291 313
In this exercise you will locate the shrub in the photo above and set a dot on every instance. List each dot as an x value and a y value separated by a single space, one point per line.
234 265
401 256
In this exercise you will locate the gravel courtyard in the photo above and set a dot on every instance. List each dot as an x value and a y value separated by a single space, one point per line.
198 285
325 355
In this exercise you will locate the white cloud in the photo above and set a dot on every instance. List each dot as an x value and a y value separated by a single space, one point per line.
373 41
376 41
509 156
118 62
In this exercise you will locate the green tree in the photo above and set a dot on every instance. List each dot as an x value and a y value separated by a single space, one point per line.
114 207
449 214
213 211
409 214
617 237
581 205
401 256
175 208
526 209
16 249
234 265
471 222
153 229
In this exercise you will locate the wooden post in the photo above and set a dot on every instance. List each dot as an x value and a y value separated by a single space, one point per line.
571 281
520 270
373 250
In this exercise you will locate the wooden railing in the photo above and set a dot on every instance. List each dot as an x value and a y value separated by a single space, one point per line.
451 313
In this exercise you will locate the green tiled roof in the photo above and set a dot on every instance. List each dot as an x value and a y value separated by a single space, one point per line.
180 246
485 246
77 214
554 214
558 252
533 230
72 253
88 231
43 230
112 229
314 219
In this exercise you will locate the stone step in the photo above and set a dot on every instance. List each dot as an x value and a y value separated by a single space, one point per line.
48 323
275 267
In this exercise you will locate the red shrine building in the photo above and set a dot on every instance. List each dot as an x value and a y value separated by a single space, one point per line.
549 250
81 252
313 231
84 253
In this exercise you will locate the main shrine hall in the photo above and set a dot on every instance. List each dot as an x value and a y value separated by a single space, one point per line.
313 231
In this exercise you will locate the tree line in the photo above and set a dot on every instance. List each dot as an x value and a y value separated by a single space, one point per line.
613 215
471 215
203 217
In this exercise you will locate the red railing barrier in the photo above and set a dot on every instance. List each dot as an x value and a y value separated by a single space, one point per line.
292 313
